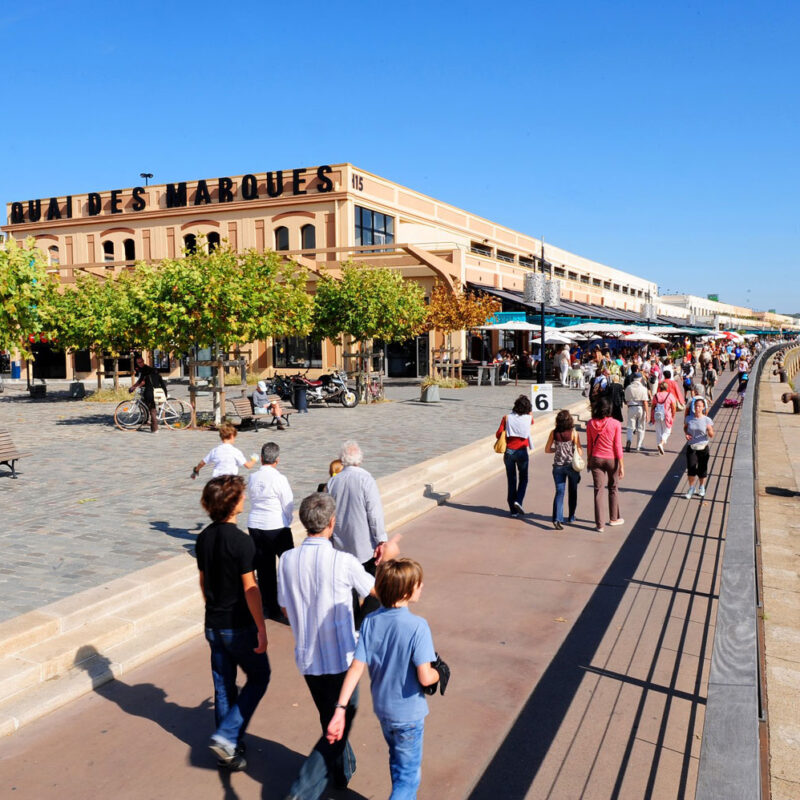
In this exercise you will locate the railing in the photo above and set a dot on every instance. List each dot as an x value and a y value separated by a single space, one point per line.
730 757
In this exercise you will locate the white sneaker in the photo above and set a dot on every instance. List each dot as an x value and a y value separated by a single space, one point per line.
689 493
702 491
661 448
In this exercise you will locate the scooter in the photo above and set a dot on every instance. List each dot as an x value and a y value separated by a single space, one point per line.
331 388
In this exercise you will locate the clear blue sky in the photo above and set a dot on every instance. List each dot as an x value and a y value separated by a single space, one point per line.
658 138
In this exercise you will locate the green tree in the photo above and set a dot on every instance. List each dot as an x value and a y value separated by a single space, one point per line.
368 303
27 294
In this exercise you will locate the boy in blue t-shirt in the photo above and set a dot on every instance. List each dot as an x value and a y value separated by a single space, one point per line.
397 647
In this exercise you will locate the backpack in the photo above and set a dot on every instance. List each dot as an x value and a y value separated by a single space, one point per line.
710 376
660 411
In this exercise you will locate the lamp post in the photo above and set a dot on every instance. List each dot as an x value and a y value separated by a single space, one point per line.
538 289
146 176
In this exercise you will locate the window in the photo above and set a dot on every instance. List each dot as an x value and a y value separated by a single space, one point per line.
616 287
108 251
213 241
130 250
372 227
526 262
308 237
52 254
573 276
584 279
558 272
297 351
282 238
503 256
190 243
480 249
596 282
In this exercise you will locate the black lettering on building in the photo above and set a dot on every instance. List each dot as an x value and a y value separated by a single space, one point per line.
249 187
139 202
116 207
275 184
94 204
298 181
68 209
53 211
176 194
325 183
202 195
17 214
34 210
225 193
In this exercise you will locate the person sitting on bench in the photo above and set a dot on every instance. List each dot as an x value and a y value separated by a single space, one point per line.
263 403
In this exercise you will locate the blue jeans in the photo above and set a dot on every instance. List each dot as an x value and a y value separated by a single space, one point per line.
405 756
516 461
326 762
563 475
232 648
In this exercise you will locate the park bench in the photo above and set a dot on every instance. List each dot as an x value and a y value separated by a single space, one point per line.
8 451
244 410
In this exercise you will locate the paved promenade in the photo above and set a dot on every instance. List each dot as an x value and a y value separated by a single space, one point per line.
579 663
94 503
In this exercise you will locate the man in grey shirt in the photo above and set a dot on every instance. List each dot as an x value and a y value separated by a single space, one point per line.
360 528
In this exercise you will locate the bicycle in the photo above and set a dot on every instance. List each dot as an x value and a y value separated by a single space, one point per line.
130 415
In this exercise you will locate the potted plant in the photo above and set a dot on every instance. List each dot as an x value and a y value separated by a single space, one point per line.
429 390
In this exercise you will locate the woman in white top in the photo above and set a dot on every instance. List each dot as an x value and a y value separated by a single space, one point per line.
517 426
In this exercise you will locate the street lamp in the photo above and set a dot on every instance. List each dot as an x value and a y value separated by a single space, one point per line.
146 176
538 289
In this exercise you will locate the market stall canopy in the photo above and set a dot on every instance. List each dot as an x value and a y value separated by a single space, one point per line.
512 325
643 336
553 338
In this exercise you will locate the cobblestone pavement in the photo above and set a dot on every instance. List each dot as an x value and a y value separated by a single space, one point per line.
93 503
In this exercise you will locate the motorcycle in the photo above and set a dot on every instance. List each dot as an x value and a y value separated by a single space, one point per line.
331 388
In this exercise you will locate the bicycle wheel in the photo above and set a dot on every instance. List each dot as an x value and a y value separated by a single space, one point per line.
175 414
129 415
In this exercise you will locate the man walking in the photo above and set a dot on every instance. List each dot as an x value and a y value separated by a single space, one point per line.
315 586
360 528
636 399
271 509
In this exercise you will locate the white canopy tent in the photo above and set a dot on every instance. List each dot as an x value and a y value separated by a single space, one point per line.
643 336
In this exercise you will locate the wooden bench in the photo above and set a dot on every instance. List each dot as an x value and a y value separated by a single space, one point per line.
243 408
8 451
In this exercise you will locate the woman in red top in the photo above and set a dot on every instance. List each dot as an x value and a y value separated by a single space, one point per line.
517 426
604 459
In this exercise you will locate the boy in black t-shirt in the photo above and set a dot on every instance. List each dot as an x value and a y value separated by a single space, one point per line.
234 621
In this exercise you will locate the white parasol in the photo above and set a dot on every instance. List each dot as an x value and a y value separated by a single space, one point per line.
643 336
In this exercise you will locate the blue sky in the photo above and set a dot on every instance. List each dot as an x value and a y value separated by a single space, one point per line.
657 138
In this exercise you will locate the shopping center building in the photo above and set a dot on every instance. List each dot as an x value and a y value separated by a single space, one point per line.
319 216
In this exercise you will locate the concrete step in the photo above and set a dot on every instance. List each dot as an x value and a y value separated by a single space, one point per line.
183 598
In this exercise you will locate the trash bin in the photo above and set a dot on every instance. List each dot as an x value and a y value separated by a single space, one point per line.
16 370
299 398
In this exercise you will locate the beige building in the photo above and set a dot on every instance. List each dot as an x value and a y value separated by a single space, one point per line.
319 216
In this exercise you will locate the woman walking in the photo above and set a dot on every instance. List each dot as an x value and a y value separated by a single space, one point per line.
663 414
564 442
604 460
699 431
517 427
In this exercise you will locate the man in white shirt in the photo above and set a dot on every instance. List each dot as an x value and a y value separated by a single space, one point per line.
315 589
269 521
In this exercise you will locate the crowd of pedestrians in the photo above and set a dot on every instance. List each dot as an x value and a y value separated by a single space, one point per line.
345 593
628 388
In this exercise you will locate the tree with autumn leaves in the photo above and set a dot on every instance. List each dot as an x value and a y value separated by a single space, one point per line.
451 311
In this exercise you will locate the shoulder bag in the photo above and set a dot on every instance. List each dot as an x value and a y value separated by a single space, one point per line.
500 444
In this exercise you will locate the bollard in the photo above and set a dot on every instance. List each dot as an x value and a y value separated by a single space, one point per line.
783 376
794 399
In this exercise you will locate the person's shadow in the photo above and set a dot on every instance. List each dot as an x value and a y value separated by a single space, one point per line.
269 763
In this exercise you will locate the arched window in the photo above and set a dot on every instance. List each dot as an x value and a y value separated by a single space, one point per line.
213 241
190 243
130 249
308 237
108 251
282 238
52 254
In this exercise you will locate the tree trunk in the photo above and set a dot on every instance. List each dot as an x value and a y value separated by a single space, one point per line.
100 369
116 373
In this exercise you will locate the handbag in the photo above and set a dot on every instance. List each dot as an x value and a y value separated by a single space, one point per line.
500 444
578 464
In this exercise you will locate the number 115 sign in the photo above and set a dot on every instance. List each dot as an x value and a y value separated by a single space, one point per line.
542 397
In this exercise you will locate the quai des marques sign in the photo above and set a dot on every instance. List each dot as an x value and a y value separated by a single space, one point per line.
177 195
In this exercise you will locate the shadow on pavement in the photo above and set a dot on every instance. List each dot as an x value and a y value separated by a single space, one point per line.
105 418
517 761
176 533
269 763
